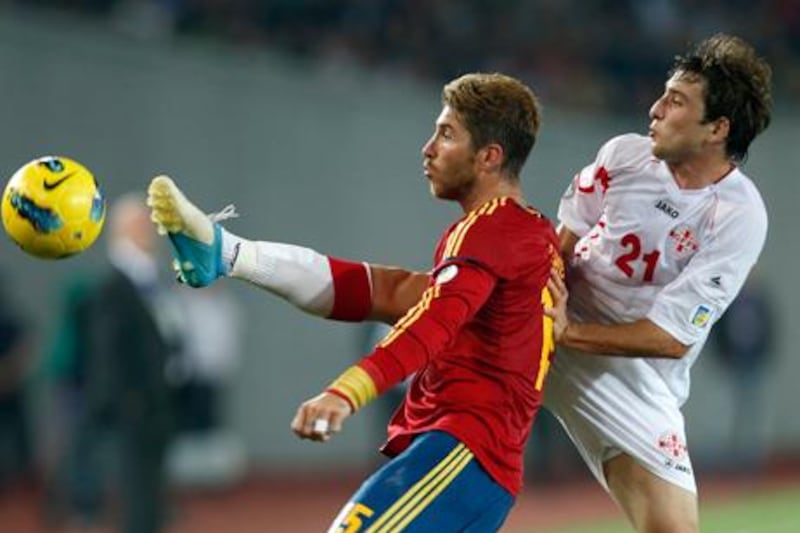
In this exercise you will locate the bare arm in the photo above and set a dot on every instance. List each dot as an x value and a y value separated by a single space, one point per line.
641 338
634 339
394 291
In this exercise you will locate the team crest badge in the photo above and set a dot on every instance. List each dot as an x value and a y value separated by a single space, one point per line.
684 241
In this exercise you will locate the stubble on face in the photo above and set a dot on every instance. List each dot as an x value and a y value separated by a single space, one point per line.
449 158
677 128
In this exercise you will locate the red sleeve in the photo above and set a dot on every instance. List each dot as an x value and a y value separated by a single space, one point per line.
352 290
459 291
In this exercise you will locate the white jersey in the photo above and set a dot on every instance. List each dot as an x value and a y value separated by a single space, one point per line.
649 249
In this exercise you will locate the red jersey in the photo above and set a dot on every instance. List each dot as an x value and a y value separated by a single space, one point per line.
478 340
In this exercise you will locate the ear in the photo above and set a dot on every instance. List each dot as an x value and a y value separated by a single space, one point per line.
720 129
491 157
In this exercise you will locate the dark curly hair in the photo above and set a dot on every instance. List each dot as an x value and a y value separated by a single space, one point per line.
737 87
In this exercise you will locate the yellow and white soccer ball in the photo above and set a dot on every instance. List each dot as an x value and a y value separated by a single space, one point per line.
53 207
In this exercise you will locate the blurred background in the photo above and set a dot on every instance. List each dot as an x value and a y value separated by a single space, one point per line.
309 116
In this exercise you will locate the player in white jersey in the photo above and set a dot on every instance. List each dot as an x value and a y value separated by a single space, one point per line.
659 233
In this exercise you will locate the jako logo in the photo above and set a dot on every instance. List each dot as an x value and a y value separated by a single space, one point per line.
661 205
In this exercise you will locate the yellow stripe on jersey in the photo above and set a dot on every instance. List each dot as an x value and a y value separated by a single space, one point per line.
412 315
456 238
423 492
548 342
456 233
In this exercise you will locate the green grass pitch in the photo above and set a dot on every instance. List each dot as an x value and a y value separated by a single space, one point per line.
761 512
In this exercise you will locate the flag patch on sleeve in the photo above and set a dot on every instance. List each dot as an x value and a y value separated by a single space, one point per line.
446 274
702 316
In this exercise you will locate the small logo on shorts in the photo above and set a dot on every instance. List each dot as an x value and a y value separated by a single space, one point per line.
672 446
676 455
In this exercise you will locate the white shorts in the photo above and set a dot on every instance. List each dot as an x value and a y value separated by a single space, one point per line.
607 409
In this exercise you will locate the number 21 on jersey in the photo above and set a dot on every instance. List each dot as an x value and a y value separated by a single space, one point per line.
633 256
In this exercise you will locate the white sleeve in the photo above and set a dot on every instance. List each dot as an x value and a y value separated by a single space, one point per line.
688 306
582 204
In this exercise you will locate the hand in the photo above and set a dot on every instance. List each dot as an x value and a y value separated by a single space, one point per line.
558 311
320 417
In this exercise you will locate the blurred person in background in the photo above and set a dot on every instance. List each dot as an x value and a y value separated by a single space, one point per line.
73 474
659 234
550 457
475 335
133 333
744 338
212 352
16 452
207 452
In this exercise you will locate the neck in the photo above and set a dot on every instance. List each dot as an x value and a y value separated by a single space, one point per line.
480 195
700 174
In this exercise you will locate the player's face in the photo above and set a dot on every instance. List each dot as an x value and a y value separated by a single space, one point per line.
449 158
677 131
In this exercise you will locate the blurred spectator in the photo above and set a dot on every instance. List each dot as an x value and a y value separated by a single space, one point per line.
133 331
743 338
550 456
206 452
74 475
16 456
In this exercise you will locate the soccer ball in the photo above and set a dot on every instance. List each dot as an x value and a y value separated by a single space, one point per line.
53 207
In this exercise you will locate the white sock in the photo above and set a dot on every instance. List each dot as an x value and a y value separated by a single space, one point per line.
300 275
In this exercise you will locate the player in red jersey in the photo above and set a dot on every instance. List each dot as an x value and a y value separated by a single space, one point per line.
477 340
